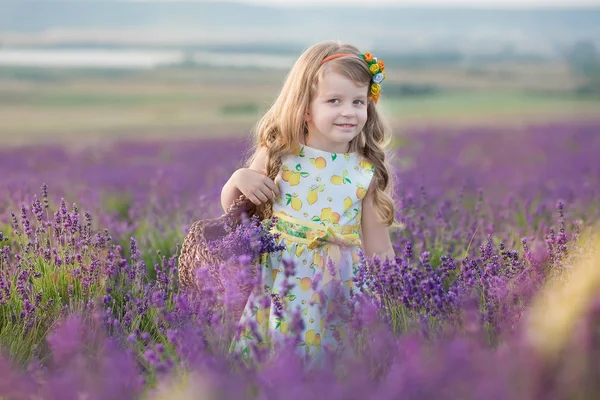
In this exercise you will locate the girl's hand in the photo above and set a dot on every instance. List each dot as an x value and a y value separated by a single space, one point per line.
255 185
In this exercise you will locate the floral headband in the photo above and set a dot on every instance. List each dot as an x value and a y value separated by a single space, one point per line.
376 68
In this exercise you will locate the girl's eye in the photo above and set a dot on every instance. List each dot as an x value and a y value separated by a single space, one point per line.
334 101
359 102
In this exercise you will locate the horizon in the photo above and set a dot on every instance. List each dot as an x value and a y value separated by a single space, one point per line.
484 4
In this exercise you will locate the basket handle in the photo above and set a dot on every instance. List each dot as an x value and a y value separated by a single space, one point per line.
240 206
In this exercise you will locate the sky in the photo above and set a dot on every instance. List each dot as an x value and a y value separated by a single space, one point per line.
432 3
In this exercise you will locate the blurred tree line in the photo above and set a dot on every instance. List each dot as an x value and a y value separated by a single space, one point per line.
584 60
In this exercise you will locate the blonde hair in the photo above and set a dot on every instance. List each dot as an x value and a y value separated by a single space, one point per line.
282 127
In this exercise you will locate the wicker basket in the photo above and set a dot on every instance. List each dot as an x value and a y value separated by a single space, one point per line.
195 253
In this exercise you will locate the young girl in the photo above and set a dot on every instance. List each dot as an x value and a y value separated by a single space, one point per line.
331 195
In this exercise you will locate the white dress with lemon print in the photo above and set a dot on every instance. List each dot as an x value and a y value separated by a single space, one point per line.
319 214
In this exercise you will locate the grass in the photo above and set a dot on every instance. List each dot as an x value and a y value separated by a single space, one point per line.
90 106
58 99
465 103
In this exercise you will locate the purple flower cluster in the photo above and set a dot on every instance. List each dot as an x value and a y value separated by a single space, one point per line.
251 239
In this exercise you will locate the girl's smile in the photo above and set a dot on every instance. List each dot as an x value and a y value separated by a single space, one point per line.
346 125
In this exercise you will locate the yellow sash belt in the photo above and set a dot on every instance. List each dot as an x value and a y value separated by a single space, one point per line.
328 238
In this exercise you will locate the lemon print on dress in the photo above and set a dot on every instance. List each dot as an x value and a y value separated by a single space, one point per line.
339 180
289 298
299 251
319 162
304 283
260 315
311 338
327 215
297 149
348 203
361 192
289 176
293 177
294 201
313 193
282 325
366 165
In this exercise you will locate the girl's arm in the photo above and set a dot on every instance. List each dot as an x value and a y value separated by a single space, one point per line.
376 236
251 181
230 192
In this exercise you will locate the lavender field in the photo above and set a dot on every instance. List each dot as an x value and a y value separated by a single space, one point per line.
495 291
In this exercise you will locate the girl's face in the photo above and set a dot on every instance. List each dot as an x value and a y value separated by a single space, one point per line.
337 113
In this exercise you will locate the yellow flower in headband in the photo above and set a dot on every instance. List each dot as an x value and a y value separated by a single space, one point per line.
375 89
377 75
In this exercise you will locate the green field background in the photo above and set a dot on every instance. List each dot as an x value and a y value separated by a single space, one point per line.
42 105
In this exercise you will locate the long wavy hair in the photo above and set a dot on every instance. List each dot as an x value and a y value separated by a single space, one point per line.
282 127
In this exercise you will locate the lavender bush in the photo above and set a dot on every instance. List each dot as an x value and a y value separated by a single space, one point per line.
90 304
